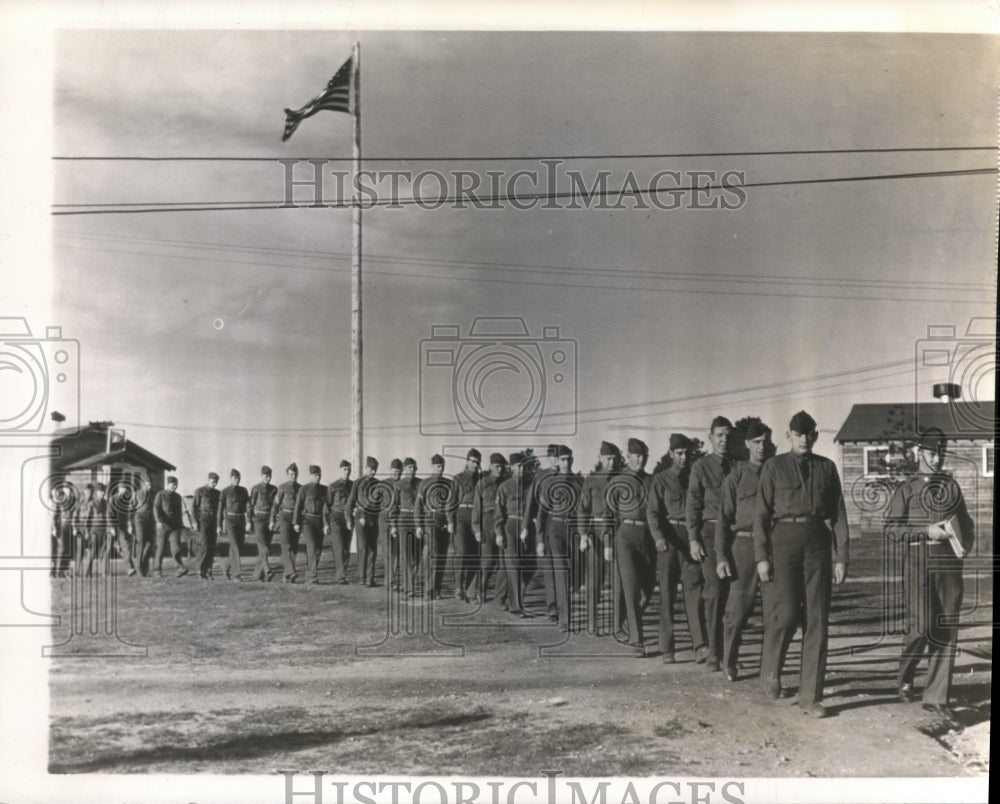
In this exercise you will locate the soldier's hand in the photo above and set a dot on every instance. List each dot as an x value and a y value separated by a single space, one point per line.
697 551
764 571
420 533
540 549
609 554
839 573
394 533
936 533
298 528
326 530
478 535
584 543
524 534
500 542
661 545
722 569
361 521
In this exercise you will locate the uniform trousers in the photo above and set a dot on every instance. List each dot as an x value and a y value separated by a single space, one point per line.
799 594
491 564
674 568
262 538
596 569
207 539
713 593
366 531
118 540
544 565
91 546
165 534
390 550
743 587
410 549
466 554
633 555
340 538
436 541
933 602
145 537
62 549
559 539
289 540
312 536
236 528
512 564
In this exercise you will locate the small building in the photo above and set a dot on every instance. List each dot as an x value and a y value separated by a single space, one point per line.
874 443
101 453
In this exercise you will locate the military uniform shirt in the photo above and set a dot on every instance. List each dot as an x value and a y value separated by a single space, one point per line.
310 502
738 506
512 501
284 500
667 500
928 499
262 498
362 502
338 495
788 490
233 501
463 494
593 497
205 503
629 495
704 487
405 499
432 500
167 509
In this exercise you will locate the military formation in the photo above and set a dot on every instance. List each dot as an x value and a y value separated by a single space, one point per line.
716 527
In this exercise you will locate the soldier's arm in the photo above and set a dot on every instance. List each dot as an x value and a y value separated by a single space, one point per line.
724 532
158 512
695 504
477 510
763 515
838 519
655 514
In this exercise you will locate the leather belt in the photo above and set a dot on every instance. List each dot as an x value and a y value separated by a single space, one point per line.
743 533
465 505
407 510
798 519
672 521
633 521
235 516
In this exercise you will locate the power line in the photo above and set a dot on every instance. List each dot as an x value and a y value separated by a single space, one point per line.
445 262
621 193
679 155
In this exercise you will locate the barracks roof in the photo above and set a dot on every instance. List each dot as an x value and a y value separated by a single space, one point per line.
973 421
86 448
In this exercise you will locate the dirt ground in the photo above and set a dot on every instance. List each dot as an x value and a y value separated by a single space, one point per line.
254 678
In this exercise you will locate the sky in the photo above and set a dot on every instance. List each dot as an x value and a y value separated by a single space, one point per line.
222 338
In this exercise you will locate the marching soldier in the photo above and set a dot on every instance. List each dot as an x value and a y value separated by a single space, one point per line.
392 544
484 505
335 515
282 520
543 559
466 545
308 520
633 551
259 509
668 523
432 525
63 505
120 530
734 543
596 541
364 520
558 497
403 525
704 486
798 493
205 513
233 506
929 516
168 510
144 528
95 528
511 528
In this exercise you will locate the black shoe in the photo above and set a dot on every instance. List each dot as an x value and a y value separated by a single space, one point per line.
941 710
772 689
638 652
701 654
816 710
712 665
668 658
181 572
553 618
905 693
731 674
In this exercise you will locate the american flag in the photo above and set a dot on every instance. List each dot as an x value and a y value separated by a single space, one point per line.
336 98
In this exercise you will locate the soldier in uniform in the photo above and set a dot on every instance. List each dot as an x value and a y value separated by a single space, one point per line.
511 528
390 537
335 515
543 559
363 518
704 486
559 499
923 514
633 549
668 523
64 500
403 525
233 507
282 520
205 513
119 535
144 528
596 539
96 521
308 520
734 543
169 513
484 506
466 546
261 504
797 494
433 526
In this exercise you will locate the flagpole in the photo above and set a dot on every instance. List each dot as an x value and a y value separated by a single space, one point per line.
357 410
